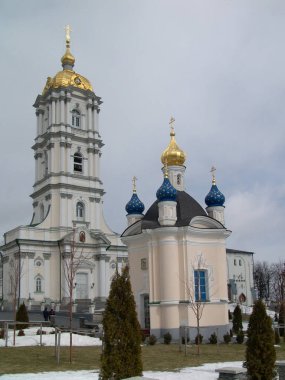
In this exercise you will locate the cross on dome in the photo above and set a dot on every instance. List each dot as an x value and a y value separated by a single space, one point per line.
67 34
134 184
213 169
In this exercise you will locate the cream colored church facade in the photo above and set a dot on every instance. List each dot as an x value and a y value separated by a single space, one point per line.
67 202
177 255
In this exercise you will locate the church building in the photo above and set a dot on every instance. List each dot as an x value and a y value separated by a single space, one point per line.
67 221
177 255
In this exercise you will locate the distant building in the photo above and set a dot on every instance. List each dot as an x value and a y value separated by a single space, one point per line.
240 276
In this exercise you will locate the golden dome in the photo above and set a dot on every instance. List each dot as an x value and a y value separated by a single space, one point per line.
67 77
173 155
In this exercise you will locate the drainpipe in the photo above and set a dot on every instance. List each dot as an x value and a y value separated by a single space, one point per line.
2 273
59 271
19 289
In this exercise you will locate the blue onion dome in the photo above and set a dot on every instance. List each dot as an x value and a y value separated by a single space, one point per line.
166 192
135 205
214 197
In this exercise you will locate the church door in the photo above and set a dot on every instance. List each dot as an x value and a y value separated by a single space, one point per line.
81 285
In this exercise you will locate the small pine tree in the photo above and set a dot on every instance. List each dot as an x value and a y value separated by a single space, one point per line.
213 338
237 319
240 337
260 351
121 357
227 338
281 319
167 337
22 316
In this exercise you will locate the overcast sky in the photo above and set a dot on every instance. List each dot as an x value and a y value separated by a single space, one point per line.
217 66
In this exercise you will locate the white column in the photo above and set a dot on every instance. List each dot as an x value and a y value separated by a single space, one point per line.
90 161
89 119
47 274
68 158
68 116
102 274
62 156
31 285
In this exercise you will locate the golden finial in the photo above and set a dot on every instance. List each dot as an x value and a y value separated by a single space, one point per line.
213 169
134 184
67 60
165 170
171 123
67 35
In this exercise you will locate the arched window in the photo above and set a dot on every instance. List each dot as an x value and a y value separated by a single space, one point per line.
78 162
38 284
80 210
178 179
76 118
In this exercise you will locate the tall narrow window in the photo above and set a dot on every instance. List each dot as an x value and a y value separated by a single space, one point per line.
80 210
76 119
38 284
78 162
178 179
42 212
201 285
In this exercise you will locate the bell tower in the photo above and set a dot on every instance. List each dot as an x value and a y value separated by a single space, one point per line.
67 190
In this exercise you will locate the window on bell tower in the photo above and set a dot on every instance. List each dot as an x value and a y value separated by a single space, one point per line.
80 211
76 119
78 162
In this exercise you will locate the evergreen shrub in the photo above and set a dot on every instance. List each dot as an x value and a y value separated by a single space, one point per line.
121 355
213 339
21 333
227 338
281 319
22 316
167 337
2 333
260 351
237 319
230 315
152 340
198 339
187 339
240 337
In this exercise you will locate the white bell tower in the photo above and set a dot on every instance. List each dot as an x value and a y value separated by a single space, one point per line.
68 189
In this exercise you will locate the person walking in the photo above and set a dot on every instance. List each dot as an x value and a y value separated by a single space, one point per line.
46 314
52 317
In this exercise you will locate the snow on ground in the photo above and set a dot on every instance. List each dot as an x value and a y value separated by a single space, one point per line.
204 372
32 339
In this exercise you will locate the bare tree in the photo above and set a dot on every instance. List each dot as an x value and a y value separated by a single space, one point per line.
262 275
197 293
278 281
15 274
72 262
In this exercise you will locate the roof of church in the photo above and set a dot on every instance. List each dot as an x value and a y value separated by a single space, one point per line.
187 209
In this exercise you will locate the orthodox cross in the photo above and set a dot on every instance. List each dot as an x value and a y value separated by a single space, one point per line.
213 169
67 33
171 123
134 184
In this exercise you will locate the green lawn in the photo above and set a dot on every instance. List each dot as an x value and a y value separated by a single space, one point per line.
159 357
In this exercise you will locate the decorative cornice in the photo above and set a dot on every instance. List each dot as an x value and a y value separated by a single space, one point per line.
50 145
47 255
48 197
31 255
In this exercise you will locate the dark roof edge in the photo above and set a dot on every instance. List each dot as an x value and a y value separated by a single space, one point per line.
229 250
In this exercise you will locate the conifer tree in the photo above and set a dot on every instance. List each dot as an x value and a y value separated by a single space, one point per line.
260 351
281 319
22 316
121 357
237 319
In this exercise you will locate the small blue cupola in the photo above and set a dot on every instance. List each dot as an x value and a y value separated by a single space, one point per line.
135 205
214 198
166 192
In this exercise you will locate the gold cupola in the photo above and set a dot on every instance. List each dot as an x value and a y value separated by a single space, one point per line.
67 77
173 155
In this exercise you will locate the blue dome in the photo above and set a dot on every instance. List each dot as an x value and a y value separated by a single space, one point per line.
214 197
134 206
166 192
